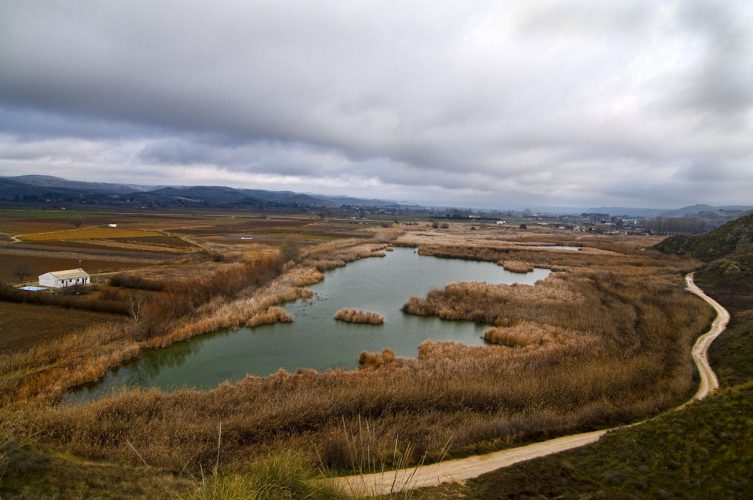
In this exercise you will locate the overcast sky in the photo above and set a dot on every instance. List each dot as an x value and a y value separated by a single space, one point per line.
475 103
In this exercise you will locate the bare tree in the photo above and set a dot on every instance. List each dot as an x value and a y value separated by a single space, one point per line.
75 223
21 270
136 306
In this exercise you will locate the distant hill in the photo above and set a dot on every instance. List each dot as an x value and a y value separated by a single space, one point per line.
49 189
49 181
728 254
689 211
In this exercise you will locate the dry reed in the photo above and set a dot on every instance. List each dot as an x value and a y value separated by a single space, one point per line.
271 315
515 266
356 316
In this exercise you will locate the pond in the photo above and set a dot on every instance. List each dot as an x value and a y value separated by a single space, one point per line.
314 339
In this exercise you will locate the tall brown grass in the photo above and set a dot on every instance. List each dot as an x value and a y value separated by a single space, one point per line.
530 334
356 316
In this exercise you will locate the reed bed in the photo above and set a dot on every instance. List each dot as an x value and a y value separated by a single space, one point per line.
594 346
356 316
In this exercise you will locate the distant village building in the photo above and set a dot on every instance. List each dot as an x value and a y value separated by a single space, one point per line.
62 279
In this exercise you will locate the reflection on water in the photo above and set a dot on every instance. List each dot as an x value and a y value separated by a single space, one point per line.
315 340
175 356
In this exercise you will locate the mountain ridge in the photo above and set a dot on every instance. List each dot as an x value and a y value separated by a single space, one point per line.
44 188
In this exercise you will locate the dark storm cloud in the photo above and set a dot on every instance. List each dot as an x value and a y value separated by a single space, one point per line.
484 102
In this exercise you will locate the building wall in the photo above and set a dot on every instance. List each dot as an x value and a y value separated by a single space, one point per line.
49 280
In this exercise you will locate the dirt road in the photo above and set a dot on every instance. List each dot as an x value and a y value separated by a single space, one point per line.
709 382
467 468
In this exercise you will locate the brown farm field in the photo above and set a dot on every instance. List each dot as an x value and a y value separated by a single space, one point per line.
605 339
88 233
23 325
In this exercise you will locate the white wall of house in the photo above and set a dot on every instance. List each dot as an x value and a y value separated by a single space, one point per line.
51 281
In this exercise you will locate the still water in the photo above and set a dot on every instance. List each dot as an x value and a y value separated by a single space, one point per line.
315 339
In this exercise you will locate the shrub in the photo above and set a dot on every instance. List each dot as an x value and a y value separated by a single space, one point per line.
133 281
289 251
11 294
285 475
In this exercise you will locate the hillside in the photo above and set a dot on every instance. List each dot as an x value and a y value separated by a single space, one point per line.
734 237
728 255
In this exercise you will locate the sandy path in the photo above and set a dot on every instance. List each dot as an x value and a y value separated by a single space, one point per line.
467 468
709 382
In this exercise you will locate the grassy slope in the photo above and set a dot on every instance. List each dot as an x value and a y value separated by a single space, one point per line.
728 254
703 451
32 473
731 354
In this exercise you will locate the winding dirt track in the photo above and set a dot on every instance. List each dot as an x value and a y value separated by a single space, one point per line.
383 483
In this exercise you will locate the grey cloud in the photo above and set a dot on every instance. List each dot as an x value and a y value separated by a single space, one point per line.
722 82
469 100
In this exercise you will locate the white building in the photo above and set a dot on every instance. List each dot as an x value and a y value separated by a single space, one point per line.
62 279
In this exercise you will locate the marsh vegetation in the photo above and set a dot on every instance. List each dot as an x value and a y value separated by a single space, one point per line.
604 339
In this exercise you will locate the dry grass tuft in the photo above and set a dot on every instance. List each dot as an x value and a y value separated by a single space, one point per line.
515 266
306 276
271 315
356 316
375 360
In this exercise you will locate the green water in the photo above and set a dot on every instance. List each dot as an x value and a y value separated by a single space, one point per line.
315 339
